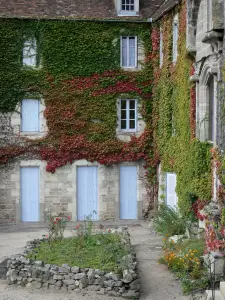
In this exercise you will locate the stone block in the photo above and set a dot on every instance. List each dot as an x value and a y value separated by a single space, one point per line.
75 270
58 283
78 276
69 281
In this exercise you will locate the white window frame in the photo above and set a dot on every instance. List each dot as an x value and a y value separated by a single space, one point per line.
38 113
175 38
128 129
128 51
128 12
32 43
161 48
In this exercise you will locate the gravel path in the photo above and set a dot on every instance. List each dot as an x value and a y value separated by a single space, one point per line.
156 282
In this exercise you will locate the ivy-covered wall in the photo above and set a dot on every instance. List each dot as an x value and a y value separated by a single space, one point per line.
174 114
80 80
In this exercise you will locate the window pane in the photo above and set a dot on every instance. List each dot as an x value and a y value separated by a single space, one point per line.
132 58
132 114
123 7
124 42
124 57
131 51
124 51
123 104
132 41
132 124
127 7
123 114
132 7
132 104
30 52
123 124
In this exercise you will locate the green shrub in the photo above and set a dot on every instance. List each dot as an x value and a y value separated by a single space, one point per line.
168 221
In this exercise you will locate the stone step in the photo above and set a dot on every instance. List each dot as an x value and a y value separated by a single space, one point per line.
27 226
218 295
222 288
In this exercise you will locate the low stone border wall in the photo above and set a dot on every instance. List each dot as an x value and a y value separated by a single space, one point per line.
25 272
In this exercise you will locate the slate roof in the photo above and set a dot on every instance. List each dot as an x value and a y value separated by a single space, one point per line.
164 8
96 9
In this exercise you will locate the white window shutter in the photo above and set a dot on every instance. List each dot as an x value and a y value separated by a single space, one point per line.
161 48
30 115
171 183
175 39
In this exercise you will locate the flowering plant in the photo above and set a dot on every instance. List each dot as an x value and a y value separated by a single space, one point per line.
84 230
56 226
214 237
198 209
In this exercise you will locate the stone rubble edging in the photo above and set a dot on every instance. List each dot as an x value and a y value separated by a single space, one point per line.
26 272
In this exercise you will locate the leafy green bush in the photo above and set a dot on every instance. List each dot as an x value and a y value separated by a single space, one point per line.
168 221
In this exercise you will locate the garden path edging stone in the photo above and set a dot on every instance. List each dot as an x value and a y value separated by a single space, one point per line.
26 272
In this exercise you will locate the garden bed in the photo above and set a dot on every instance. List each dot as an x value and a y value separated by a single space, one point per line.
103 262
185 259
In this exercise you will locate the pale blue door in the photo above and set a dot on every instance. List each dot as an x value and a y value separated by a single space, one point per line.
128 192
29 182
87 192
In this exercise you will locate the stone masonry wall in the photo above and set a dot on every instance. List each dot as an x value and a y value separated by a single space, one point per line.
58 191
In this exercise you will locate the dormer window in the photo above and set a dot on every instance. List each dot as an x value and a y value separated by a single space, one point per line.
128 7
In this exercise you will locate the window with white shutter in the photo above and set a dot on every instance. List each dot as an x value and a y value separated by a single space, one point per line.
30 109
161 49
128 115
175 38
129 51
30 52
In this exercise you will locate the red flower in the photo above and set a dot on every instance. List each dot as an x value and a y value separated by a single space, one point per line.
78 226
58 219
69 218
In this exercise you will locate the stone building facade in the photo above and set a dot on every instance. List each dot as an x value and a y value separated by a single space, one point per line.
60 191
205 36
205 44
